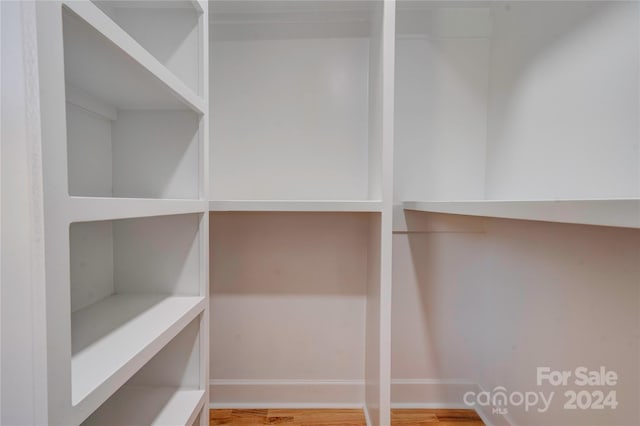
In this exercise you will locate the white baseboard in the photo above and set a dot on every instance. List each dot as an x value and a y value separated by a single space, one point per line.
409 393
286 393
441 393
437 393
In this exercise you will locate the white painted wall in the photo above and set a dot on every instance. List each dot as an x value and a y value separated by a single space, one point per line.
104 154
564 103
149 255
441 103
91 263
488 301
166 142
288 298
492 104
90 152
157 255
289 119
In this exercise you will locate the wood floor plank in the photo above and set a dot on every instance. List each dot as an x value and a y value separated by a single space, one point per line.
322 416
342 417
460 423
219 414
456 415
412 417
277 420
249 417
219 417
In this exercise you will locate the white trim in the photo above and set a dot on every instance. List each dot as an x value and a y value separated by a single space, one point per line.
295 382
286 393
283 406
433 382
296 205
430 406
438 393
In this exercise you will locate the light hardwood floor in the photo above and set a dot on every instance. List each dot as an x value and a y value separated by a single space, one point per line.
326 417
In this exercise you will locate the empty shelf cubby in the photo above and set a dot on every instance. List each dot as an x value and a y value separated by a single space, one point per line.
135 283
120 115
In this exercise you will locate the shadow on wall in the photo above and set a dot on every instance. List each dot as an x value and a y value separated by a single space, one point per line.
493 307
289 253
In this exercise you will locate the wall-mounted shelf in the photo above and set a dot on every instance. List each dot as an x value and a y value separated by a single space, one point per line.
114 338
295 205
605 212
86 209
110 65
149 405
196 5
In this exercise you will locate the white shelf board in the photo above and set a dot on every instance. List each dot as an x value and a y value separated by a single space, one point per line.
86 209
108 64
155 4
605 212
149 405
295 206
114 338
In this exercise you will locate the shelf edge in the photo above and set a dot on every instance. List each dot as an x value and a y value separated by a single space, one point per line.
623 213
89 209
372 206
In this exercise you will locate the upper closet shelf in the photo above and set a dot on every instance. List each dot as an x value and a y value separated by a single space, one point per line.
605 212
295 206
104 61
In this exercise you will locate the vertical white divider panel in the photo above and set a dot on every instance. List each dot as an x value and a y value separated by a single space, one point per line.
378 321
203 67
54 158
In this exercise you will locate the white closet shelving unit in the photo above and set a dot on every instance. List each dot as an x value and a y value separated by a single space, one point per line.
512 128
301 96
124 150
522 110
